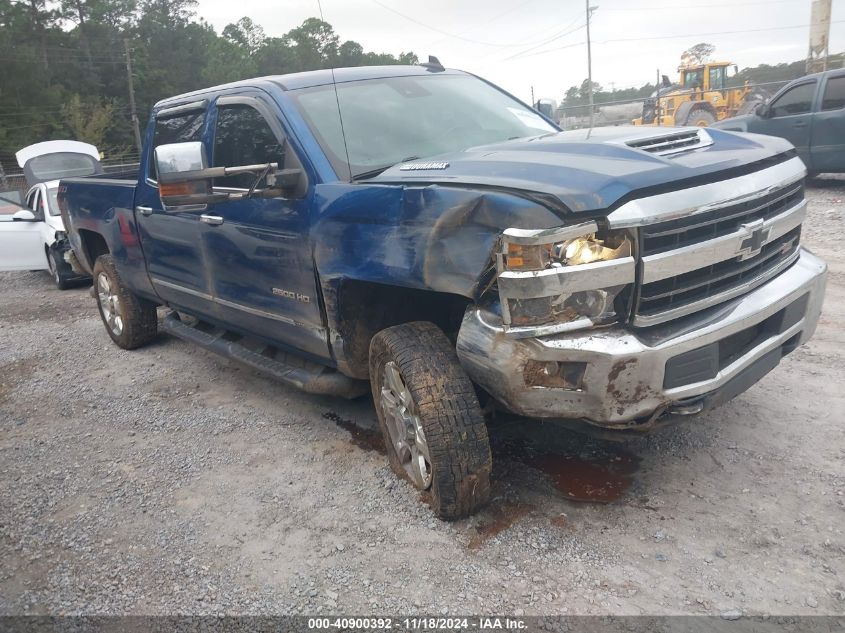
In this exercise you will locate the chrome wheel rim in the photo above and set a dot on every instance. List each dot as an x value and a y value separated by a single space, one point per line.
404 427
53 268
109 304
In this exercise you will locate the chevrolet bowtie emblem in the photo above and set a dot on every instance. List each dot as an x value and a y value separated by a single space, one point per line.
753 244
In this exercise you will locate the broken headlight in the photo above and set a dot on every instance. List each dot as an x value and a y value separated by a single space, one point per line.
564 278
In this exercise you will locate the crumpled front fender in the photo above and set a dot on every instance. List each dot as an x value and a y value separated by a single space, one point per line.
432 237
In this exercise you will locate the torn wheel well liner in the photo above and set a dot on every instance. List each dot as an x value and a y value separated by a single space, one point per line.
360 309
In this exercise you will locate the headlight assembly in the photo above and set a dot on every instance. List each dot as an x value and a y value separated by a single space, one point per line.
563 279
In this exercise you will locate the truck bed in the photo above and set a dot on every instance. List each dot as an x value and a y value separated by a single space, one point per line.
104 205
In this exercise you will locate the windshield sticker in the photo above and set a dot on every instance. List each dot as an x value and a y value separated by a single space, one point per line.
530 119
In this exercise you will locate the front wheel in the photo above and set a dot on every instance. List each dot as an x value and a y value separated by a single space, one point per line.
58 270
430 418
130 320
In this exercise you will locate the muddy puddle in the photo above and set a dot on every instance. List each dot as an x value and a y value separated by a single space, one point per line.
579 467
366 439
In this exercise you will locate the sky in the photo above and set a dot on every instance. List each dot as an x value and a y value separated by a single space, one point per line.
541 44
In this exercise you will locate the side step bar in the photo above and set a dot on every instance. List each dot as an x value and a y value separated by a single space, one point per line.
305 375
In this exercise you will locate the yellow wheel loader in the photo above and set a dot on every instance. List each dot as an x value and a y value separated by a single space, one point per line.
701 98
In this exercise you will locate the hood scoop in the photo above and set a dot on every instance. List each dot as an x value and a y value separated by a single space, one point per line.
672 143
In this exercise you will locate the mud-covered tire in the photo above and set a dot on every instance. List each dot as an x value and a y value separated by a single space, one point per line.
138 319
446 407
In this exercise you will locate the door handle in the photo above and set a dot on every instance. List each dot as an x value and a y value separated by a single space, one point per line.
799 125
214 220
144 210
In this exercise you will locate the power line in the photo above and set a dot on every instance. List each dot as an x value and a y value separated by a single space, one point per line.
670 37
490 20
454 35
698 6
47 112
558 36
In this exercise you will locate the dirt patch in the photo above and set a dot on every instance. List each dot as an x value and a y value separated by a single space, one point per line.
496 519
15 373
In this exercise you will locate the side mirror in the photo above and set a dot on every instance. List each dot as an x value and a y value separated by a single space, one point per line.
761 110
24 215
181 171
185 179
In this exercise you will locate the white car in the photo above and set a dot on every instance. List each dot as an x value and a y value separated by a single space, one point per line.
33 236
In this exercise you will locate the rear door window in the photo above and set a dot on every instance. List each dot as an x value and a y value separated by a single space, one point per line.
180 128
834 94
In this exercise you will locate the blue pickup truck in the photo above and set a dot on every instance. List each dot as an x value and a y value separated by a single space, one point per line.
418 233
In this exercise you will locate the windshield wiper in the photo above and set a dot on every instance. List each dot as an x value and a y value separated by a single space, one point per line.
372 173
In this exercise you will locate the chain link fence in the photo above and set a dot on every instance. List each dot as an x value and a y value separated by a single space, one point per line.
623 111
15 181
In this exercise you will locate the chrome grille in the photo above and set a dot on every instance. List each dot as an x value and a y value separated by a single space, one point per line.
705 283
701 260
665 236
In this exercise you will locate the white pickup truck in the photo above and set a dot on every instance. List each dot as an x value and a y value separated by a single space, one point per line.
32 236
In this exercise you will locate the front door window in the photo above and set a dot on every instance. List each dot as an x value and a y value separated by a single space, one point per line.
797 100
243 137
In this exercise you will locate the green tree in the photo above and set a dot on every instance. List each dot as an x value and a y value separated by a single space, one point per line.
89 122
64 73
698 54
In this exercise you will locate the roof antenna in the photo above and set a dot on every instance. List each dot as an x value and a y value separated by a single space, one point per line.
337 100
433 64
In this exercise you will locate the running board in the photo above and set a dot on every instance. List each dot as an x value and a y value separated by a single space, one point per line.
300 373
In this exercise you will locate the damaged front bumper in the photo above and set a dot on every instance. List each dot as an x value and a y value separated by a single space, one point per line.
619 377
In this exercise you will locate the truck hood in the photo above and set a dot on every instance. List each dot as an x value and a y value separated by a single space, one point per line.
588 170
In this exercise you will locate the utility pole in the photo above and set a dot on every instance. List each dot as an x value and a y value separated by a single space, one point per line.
589 61
132 109
819 36
533 103
3 181
657 98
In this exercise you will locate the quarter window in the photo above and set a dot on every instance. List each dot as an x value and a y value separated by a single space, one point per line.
243 137
181 128
834 94
797 100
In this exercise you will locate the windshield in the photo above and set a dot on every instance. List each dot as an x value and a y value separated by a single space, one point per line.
394 119
59 165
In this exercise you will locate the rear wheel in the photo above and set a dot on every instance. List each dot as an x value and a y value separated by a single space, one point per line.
430 418
130 320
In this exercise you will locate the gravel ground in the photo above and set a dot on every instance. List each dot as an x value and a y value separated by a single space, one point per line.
168 480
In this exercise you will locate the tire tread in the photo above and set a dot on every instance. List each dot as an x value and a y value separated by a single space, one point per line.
448 408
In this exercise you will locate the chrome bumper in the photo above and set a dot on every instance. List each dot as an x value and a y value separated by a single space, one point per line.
629 379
